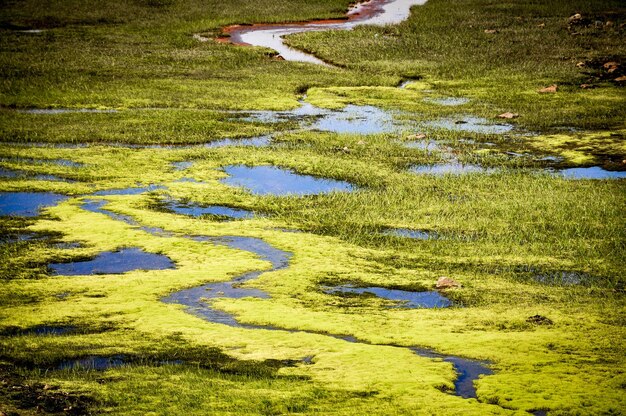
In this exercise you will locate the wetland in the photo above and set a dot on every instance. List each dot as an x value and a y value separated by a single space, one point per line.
312 207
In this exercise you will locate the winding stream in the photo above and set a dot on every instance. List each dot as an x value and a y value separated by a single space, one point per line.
373 12
198 299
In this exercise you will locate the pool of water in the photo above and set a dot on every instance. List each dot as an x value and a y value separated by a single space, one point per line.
271 180
452 168
196 210
27 204
114 262
129 191
405 299
594 172
448 101
409 233
352 119
22 174
427 145
93 362
52 111
470 124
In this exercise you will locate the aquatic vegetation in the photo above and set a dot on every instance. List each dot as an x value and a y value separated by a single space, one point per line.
290 221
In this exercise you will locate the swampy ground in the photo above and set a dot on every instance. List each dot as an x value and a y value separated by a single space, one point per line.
521 239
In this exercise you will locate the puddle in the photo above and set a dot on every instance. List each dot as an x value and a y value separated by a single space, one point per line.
270 36
45 330
356 119
196 298
64 110
22 174
16 237
129 191
182 165
259 141
470 124
60 162
94 362
448 101
594 172
27 204
271 180
414 234
352 119
429 146
114 262
405 299
196 210
563 278
68 245
452 168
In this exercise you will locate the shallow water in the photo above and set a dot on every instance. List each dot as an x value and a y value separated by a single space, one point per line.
270 36
594 172
409 233
448 101
129 191
405 299
271 180
114 262
60 162
467 371
52 111
470 124
452 168
196 298
22 174
427 145
94 362
183 165
196 210
27 204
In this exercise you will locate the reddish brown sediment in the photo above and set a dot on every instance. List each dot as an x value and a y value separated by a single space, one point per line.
357 12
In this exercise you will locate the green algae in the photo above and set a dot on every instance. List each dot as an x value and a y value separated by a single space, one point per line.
504 232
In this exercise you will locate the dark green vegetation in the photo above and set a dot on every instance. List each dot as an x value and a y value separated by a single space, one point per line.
521 241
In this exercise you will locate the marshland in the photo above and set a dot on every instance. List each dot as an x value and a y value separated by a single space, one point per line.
397 207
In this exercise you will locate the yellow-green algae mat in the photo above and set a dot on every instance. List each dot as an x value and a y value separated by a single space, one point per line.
569 366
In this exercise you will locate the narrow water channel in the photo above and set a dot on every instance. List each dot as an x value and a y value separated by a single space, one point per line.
373 12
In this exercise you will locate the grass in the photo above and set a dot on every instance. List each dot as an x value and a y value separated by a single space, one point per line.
514 237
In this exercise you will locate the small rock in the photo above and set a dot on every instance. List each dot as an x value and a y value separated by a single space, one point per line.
418 136
491 31
539 320
279 58
446 283
575 18
580 65
346 149
621 79
548 90
541 25
586 86
611 64
508 115
609 23
612 69
361 143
